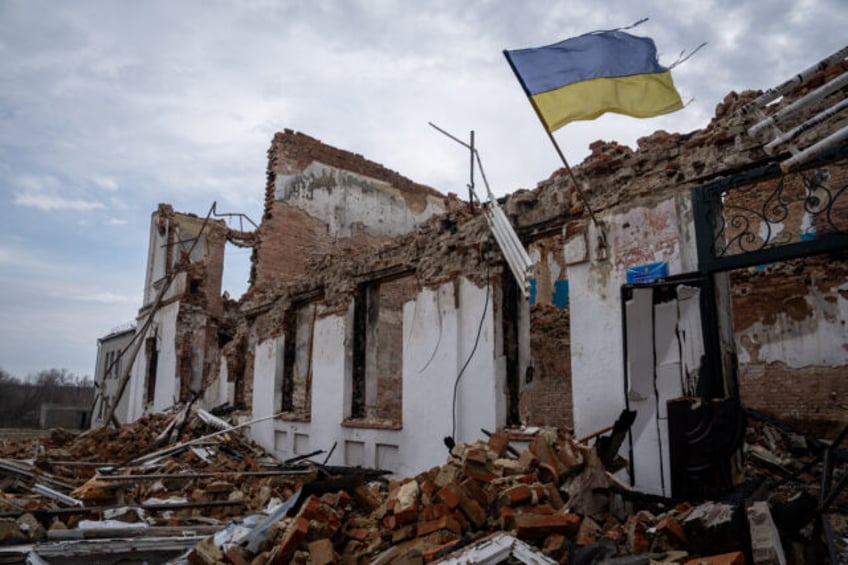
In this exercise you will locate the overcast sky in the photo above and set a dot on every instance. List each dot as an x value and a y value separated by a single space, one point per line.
108 108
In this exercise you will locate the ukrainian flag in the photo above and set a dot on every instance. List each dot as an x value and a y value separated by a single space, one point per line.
583 77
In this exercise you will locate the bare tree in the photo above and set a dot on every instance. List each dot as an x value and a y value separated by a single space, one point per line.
21 400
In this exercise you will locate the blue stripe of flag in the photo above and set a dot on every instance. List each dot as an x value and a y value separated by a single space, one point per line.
604 54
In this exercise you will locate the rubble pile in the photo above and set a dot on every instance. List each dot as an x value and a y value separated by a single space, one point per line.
169 474
555 495
191 487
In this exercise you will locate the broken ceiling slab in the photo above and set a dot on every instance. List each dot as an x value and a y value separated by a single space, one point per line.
498 548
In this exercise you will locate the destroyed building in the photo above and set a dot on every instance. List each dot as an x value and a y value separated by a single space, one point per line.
383 317
107 370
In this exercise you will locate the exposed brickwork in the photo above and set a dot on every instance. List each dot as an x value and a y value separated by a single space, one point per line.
393 295
785 302
297 371
294 253
194 254
291 152
289 236
812 398
289 240
762 295
545 397
546 400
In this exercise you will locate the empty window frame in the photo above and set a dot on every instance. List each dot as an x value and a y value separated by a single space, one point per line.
377 387
296 385
152 356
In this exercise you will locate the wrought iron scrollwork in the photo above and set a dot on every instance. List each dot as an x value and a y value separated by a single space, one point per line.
752 213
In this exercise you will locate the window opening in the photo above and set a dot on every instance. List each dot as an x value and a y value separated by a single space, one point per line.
377 387
152 355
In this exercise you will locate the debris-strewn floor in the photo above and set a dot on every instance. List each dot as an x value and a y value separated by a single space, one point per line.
183 487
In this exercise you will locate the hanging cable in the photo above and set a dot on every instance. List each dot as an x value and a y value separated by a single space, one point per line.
449 440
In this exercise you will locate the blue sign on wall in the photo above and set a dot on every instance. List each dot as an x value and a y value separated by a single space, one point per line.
649 272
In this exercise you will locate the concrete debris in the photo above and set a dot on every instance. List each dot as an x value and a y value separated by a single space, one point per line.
765 539
554 502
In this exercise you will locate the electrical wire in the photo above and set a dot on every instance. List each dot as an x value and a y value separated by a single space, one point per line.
449 440
439 340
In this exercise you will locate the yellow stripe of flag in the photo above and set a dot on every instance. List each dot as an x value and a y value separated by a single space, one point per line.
640 96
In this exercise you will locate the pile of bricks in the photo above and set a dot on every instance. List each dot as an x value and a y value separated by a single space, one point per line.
555 495
224 478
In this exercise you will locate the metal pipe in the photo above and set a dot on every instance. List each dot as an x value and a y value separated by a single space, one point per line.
50 493
799 79
502 224
519 275
206 475
815 96
510 258
816 120
813 150
525 260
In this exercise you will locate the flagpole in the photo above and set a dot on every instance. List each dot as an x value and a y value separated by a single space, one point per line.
599 225
573 178
602 236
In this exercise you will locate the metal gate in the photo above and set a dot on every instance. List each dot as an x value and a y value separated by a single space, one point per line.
759 217
751 219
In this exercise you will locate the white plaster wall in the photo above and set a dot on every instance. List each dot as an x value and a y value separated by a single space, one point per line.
438 338
482 390
264 363
155 258
820 339
109 386
638 235
135 387
430 364
167 390
164 327
343 200
441 339
217 391
597 380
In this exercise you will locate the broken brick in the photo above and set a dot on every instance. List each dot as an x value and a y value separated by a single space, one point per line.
733 558
671 528
450 495
443 523
434 511
293 536
516 495
589 532
538 526
473 511
321 552
637 537
498 443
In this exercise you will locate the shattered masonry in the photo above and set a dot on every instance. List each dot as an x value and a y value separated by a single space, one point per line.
368 291
382 324
215 497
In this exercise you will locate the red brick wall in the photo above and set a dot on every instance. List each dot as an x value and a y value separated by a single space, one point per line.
780 303
289 238
546 400
812 398
393 295
291 152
